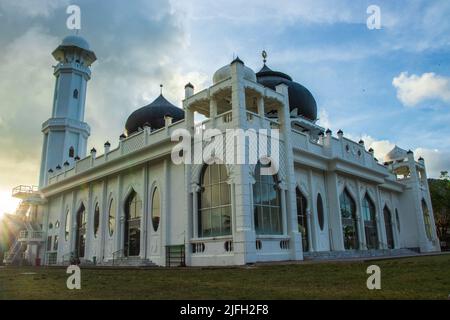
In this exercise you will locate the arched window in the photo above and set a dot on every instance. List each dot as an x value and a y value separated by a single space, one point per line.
67 226
397 218
75 94
156 209
320 213
302 218
112 217
133 213
370 222
349 222
388 225
80 243
71 152
266 200
214 202
427 220
96 219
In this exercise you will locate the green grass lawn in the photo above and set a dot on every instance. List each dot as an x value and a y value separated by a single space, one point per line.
412 278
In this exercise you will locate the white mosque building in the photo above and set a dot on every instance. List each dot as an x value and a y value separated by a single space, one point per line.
132 205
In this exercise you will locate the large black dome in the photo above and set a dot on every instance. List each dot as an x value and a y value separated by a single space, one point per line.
299 97
153 115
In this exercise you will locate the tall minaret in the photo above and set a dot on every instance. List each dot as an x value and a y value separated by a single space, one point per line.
66 133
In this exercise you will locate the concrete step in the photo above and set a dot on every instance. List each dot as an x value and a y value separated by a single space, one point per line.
129 262
358 254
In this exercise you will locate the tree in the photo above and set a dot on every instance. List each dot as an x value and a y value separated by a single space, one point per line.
440 198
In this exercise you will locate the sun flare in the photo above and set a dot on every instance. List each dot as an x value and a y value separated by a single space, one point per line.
8 204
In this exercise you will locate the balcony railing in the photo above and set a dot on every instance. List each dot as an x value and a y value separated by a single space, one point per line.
24 190
33 236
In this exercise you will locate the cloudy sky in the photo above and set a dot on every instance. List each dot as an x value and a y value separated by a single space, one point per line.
388 86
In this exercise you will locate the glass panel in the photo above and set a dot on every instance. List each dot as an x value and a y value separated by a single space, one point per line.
320 213
214 173
267 228
67 225
206 198
257 193
206 176
223 173
206 223
257 215
216 222
215 195
226 220
265 194
156 210
273 195
225 193
275 219
112 217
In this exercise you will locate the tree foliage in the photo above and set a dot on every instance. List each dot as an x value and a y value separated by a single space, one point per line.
440 197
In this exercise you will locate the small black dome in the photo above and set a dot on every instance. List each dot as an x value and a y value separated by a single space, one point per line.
299 96
153 115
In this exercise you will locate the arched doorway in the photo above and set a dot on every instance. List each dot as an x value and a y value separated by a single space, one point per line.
349 221
133 214
80 240
388 225
302 218
370 222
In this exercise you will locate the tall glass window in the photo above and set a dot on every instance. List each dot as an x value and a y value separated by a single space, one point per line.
214 202
156 209
112 217
388 225
67 226
81 232
96 219
133 213
370 222
320 212
302 218
349 222
267 207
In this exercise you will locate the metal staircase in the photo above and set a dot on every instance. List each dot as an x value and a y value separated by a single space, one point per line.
15 253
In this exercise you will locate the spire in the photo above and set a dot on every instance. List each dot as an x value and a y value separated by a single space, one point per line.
264 56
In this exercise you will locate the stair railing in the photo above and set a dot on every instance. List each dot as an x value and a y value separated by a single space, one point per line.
118 256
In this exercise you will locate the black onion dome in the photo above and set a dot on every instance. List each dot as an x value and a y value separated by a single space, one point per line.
300 98
153 115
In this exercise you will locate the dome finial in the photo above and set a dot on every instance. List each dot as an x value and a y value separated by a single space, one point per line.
161 87
264 55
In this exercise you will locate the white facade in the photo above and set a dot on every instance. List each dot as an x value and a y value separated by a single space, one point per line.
319 166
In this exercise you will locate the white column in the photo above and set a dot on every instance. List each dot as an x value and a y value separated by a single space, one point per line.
120 214
334 213
380 221
145 212
195 194
104 221
284 213
261 112
361 224
213 111
309 233
291 204
89 225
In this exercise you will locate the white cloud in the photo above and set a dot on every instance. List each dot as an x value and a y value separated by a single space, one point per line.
413 89
324 119
31 8
435 160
